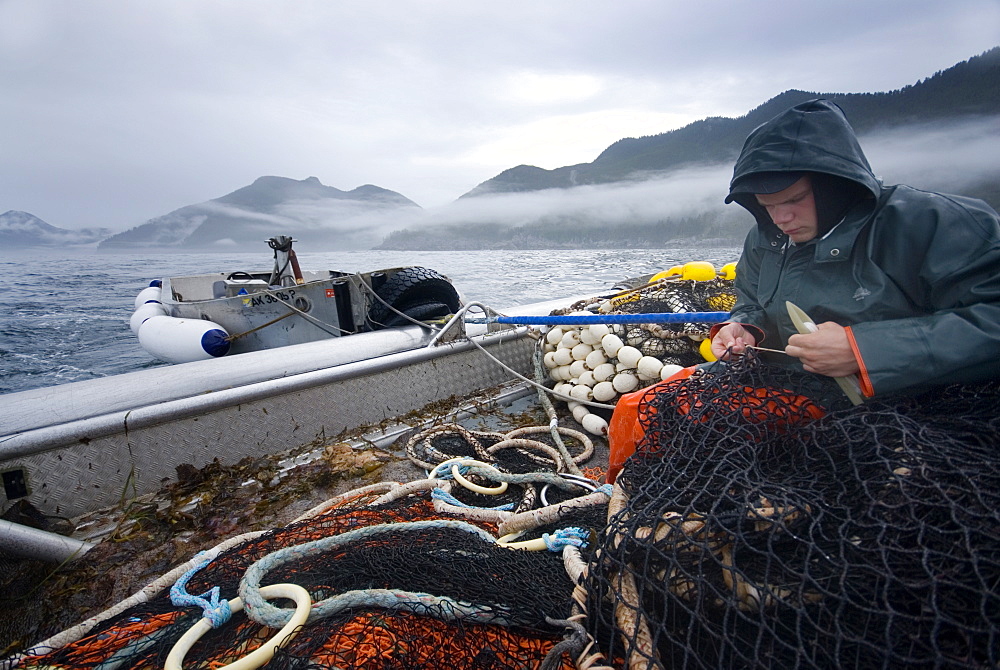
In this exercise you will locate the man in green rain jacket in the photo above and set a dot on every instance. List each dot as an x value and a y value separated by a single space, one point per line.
903 284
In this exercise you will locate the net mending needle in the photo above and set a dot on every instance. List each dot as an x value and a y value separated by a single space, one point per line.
775 351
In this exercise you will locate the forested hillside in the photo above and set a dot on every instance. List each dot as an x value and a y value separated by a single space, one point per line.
967 89
629 195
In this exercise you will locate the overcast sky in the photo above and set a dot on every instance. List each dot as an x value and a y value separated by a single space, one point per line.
116 111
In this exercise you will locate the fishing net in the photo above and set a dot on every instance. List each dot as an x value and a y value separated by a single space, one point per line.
426 574
753 528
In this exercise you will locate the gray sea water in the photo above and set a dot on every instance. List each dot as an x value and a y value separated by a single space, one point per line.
64 315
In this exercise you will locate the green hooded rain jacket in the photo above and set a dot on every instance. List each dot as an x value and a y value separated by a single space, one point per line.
913 275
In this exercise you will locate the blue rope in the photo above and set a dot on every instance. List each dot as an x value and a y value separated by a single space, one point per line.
446 473
215 609
573 536
587 319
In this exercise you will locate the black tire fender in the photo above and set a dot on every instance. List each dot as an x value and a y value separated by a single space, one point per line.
420 292
424 311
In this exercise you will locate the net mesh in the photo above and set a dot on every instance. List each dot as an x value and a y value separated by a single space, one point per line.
394 581
753 528
518 586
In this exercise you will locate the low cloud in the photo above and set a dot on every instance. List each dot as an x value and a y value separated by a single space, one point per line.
948 157
688 191
951 158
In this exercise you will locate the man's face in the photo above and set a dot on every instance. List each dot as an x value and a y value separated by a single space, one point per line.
793 210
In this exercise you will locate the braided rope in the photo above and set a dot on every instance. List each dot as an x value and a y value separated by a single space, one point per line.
422 452
442 495
431 455
493 516
403 490
486 470
353 496
539 477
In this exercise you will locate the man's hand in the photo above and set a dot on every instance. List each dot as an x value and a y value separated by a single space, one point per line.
731 336
825 352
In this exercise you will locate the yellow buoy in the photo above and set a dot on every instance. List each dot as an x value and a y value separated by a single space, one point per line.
698 271
706 350
672 272
728 271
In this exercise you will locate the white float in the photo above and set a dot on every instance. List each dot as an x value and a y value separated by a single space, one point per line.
669 370
611 343
595 358
562 356
148 294
588 336
595 425
625 382
598 331
604 391
570 339
649 367
143 312
604 372
577 368
629 356
177 340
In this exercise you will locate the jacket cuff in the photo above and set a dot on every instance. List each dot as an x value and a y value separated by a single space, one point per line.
863 378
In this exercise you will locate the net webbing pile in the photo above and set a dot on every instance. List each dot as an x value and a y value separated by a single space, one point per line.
426 574
753 528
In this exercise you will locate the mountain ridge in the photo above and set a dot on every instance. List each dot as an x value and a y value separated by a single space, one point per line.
639 174
718 139
269 206
23 229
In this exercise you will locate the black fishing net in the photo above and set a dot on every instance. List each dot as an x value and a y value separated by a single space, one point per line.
753 528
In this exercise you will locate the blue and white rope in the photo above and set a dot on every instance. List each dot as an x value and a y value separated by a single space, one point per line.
214 608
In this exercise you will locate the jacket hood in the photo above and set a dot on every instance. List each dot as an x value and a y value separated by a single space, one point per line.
814 137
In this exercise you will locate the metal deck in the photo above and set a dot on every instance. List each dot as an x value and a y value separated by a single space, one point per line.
78 447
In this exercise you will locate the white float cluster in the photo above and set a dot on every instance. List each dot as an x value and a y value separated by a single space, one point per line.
173 339
594 363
